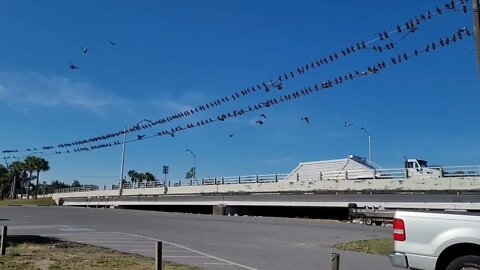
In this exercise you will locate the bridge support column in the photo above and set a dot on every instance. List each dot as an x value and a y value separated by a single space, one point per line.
219 210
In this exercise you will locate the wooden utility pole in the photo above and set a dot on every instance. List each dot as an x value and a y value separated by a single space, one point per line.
476 27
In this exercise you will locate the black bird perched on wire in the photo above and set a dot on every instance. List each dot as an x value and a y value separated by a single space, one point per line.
139 137
263 115
85 50
260 122
306 119
347 124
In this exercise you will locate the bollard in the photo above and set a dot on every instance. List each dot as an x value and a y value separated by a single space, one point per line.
3 242
335 261
158 258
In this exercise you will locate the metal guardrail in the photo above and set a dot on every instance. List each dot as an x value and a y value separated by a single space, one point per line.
397 173
76 189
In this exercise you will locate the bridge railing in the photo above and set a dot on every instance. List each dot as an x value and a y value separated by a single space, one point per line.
461 171
76 189
397 173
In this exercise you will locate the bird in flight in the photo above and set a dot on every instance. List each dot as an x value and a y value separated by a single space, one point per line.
347 124
231 135
72 66
113 43
263 115
260 122
85 50
306 119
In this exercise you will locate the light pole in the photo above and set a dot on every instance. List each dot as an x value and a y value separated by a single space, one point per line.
369 145
194 164
120 187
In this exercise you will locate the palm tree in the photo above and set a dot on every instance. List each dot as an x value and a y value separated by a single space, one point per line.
4 181
133 176
140 177
30 167
16 169
41 166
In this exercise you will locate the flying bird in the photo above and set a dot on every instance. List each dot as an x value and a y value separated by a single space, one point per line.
231 135
85 50
113 43
306 119
72 66
263 115
260 122
347 124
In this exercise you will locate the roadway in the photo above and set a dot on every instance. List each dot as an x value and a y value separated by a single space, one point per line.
211 242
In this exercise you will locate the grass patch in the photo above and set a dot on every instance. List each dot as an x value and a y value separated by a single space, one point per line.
381 246
42 253
39 201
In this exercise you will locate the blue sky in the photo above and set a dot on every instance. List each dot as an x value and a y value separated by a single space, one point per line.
175 55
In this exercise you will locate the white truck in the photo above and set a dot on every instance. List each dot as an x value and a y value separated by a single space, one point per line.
419 168
436 241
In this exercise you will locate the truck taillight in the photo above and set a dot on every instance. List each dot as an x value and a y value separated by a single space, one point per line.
399 233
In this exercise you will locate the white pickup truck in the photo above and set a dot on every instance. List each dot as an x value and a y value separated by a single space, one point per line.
436 241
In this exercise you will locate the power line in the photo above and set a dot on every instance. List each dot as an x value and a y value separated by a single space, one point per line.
410 25
460 34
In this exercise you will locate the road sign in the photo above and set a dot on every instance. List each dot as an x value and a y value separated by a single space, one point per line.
165 169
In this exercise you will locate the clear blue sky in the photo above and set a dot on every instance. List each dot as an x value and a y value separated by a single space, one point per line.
174 55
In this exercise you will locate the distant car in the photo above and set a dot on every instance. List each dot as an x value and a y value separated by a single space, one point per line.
436 241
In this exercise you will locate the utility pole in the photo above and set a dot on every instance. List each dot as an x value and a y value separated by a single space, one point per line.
476 27
194 165
120 188
369 146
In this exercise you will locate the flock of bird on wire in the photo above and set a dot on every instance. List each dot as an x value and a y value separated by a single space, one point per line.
403 30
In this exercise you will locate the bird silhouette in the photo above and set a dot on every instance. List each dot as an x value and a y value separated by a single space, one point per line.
72 66
85 50
113 43
260 122
231 135
347 124
139 137
306 119
263 115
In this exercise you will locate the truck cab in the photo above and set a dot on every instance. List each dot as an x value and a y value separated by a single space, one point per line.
419 168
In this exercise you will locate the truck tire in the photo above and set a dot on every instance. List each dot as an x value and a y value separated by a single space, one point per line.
369 221
469 262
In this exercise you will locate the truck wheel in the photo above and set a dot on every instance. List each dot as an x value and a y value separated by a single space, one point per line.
368 221
469 262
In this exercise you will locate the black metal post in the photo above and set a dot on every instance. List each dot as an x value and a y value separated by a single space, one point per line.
158 258
3 241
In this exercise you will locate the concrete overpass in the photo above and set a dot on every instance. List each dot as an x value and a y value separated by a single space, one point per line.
305 187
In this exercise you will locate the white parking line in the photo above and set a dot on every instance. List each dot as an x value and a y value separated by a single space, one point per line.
193 256
196 251
114 240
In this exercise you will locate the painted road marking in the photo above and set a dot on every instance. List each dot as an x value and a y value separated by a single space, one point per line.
196 251
127 242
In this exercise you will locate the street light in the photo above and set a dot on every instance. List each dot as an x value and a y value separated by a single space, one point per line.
120 188
369 145
194 163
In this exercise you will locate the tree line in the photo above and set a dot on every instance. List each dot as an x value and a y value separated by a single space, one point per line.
16 178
